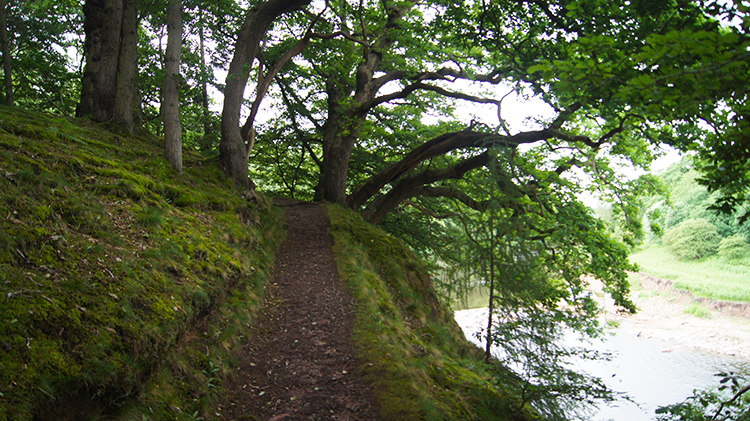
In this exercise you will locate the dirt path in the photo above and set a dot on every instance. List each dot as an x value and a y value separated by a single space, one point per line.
301 364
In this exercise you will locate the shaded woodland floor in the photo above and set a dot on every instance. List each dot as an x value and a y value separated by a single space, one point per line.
300 365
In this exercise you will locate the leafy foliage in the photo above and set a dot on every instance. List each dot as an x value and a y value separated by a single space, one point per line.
534 255
692 239
734 248
42 34
729 401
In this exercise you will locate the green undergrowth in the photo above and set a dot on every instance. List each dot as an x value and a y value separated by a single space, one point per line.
410 349
124 286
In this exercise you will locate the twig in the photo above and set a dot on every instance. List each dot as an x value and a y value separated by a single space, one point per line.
12 294
734 398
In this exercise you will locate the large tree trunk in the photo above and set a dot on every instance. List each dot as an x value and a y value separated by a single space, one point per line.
108 90
5 46
170 105
232 149
127 68
344 126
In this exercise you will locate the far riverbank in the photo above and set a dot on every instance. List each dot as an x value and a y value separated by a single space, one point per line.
662 316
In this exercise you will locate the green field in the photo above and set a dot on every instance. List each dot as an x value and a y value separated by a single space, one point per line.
711 277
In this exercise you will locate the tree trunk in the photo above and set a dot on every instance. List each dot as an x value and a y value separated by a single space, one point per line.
335 171
491 303
5 45
207 130
108 90
127 69
337 147
232 149
170 105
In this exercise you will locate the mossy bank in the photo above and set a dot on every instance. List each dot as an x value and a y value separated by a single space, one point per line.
127 289
411 349
124 285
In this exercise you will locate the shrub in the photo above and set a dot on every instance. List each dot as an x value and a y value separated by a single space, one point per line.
692 239
734 248
698 310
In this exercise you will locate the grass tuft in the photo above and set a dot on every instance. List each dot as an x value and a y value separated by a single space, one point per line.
698 310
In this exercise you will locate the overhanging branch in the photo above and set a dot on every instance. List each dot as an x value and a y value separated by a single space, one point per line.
446 143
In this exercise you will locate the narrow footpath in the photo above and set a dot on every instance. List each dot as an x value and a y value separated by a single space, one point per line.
301 365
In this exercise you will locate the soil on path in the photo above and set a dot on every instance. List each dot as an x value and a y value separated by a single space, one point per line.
300 365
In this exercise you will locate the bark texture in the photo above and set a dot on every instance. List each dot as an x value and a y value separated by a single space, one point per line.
5 46
344 125
127 68
232 149
171 106
108 90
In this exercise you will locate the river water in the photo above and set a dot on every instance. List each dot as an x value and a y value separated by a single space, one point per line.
652 372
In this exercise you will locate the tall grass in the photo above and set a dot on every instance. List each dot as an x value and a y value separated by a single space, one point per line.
712 277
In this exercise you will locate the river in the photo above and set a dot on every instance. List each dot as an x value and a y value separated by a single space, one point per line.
654 370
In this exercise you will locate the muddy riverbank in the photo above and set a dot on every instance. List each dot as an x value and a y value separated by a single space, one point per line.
662 317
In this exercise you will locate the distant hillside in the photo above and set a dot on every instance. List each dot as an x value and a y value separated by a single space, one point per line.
126 288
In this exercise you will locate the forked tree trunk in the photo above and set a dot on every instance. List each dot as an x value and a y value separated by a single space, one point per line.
5 46
344 125
170 105
232 149
108 90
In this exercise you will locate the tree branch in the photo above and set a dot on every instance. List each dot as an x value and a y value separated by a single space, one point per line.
446 143
429 212
416 185
734 398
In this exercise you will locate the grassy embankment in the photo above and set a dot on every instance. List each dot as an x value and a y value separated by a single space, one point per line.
412 351
124 286
711 277
126 289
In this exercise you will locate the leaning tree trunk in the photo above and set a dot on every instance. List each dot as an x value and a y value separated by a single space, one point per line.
170 105
108 86
232 149
5 46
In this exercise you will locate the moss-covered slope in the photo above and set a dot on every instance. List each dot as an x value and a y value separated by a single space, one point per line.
411 349
126 288
123 285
